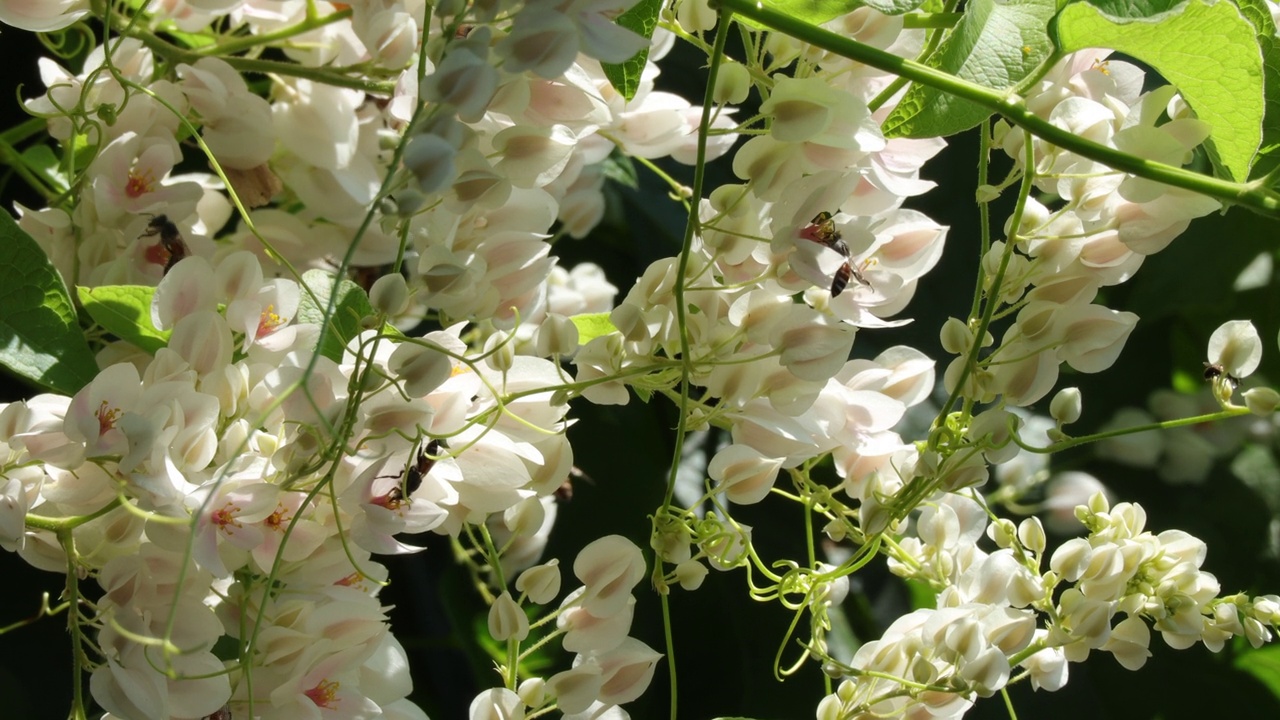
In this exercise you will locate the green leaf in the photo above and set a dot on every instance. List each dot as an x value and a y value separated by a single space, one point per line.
641 19
351 308
592 325
995 44
1258 13
125 311
39 337
920 594
893 7
41 161
619 168
1264 664
1209 51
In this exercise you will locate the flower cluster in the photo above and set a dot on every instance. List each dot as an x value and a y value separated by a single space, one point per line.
354 330
1000 612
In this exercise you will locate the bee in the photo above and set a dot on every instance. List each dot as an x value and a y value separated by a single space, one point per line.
172 248
422 465
564 493
1213 371
822 230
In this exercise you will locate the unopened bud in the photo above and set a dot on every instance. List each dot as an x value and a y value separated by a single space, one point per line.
541 583
500 352
1002 531
733 83
507 619
1031 535
533 692
697 16
422 369
557 335
1066 406
690 574
390 294
1261 400
955 336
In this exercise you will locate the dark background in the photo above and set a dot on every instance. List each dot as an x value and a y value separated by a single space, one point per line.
725 643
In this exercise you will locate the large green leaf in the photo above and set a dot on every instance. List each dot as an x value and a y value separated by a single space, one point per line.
641 19
1258 13
1263 664
39 337
125 311
592 325
995 44
351 308
1208 50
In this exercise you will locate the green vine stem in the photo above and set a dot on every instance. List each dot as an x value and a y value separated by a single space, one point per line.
1253 195
1068 443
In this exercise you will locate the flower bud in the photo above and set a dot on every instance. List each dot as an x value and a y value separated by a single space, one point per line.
696 16
733 83
836 530
507 619
955 336
533 692
422 368
464 78
1261 400
1066 406
500 352
541 583
390 294
743 474
1002 532
1031 535
430 159
557 335
690 574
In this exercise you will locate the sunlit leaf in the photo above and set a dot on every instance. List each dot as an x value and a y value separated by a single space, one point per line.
995 44
641 19
349 311
40 338
1209 51
592 325
125 311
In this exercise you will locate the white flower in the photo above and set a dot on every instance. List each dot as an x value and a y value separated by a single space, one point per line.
42 15
1236 348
